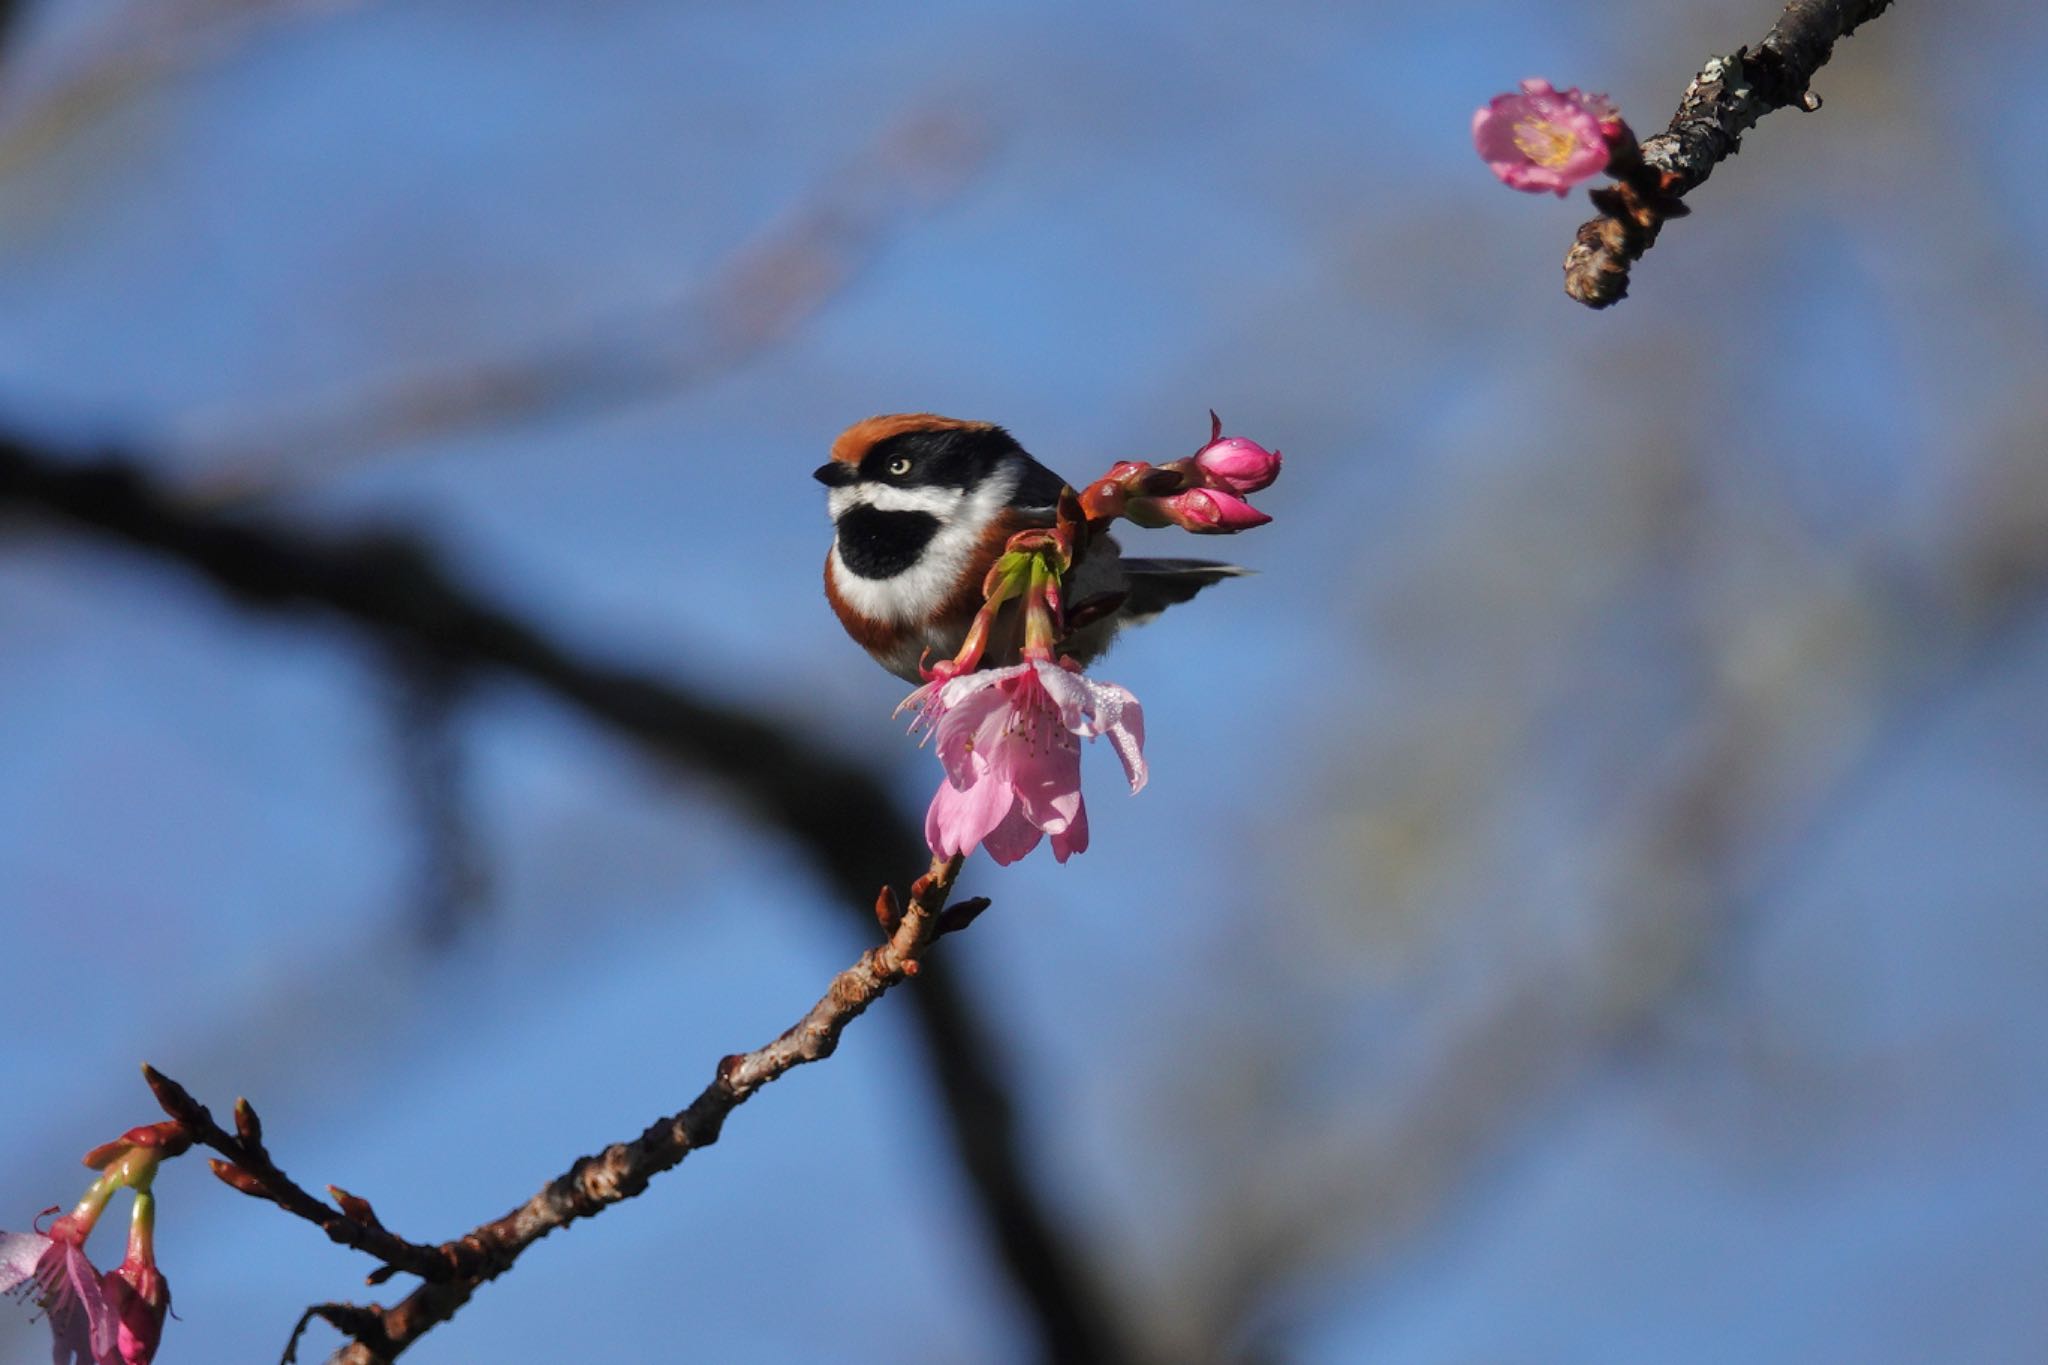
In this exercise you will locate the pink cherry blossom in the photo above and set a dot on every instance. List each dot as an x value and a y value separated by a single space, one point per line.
1008 739
67 1288
1545 139
1238 465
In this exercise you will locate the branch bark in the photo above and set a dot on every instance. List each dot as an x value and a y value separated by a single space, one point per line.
1723 102
394 587
248 1167
625 1169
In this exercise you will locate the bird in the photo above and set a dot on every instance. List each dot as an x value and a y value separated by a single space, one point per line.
923 505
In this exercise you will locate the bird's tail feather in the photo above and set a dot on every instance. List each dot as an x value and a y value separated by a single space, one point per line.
1153 585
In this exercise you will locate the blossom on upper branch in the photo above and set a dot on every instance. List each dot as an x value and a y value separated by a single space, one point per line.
1546 139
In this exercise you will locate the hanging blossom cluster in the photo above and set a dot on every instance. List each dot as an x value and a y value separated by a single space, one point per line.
1541 138
1009 737
115 1318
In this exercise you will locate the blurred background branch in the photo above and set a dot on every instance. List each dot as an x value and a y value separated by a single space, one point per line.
124 49
746 305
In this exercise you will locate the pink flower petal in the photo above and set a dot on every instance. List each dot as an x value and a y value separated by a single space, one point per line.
1545 139
1121 720
967 733
19 1253
91 1299
967 684
83 1330
1074 838
1012 839
1070 692
1048 786
959 819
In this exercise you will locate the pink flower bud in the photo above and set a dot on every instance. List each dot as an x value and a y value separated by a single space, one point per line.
1237 464
139 1298
1546 139
1213 511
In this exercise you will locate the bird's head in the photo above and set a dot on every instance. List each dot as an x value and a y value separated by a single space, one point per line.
901 482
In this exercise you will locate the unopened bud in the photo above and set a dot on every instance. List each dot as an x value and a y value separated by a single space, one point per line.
888 909
247 1125
1238 465
140 1298
234 1175
1211 511
354 1206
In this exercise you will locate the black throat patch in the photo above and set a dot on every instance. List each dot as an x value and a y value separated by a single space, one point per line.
878 544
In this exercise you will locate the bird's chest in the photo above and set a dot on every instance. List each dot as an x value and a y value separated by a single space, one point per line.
900 603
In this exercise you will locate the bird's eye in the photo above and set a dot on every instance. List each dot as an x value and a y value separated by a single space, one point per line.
900 466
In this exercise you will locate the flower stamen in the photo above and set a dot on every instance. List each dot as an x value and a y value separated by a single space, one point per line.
1545 143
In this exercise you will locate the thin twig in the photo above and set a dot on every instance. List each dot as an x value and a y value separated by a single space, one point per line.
250 1169
1723 102
624 1169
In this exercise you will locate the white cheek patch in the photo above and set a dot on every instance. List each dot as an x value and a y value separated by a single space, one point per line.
942 503
919 591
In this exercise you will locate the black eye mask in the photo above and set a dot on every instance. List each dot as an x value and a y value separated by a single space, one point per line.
946 458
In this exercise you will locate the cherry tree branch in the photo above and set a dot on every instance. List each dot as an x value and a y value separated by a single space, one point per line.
1723 102
455 1270
394 587
624 1169
248 1167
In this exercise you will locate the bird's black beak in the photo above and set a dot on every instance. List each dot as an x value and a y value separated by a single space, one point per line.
834 474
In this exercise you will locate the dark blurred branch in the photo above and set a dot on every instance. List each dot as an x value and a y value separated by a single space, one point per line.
1723 102
394 587
427 691
770 287
10 15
